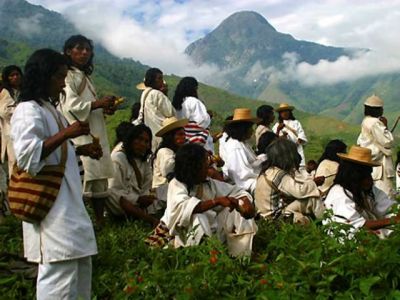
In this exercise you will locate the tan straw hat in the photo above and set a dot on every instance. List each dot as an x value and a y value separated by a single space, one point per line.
284 106
171 124
359 155
141 86
374 101
243 115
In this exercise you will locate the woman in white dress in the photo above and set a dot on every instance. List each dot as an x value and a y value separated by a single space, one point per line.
64 241
241 164
328 164
188 106
291 129
130 187
354 200
11 82
199 207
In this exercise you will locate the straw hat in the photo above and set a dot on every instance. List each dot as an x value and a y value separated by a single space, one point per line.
171 124
374 101
141 86
243 115
359 155
284 106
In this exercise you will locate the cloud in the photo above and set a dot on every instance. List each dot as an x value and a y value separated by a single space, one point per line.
29 26
157 32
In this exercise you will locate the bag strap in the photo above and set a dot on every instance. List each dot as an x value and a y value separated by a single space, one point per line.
144 103
64 148
139 178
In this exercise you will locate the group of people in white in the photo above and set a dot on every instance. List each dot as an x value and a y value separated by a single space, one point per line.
164 168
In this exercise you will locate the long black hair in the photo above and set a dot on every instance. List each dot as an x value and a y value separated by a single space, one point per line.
331 150
264 141
5 80
150 77
238 130
189 161
167 141
121 131
375 112
39 69
80 40
133 133
187 87
264 112
350 176
291 116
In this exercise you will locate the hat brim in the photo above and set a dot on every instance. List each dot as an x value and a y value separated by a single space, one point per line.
345 156
178 124
141 86
284 108
252 120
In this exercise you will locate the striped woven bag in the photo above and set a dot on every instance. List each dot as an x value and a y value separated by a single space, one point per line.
31 197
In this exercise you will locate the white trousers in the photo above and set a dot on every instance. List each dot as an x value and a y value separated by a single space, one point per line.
69 280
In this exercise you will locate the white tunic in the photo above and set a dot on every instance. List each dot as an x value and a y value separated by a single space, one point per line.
154 108
188 228
241 164
293 135
375 136
66 232
164 164
344 208
7 106
125 183
328 169
80 105
194 110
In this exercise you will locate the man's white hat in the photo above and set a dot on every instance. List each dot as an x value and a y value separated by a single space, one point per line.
374 101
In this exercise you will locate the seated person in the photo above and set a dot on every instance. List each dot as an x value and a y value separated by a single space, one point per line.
354 199
278 193
120 133
263 142
198 206
129 189
172 138
328 164
241 164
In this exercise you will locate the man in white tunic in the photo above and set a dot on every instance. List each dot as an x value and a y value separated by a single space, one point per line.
64 241
376 136
155 106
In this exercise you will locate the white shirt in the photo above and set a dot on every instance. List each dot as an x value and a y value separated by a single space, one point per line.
154 108
194 110
328 169
7 106
66 232
241 164
81 105
293 135
344 208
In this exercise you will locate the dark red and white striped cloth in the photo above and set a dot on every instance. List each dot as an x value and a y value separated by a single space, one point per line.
196 134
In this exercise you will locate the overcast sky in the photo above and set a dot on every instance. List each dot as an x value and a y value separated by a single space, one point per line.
156 32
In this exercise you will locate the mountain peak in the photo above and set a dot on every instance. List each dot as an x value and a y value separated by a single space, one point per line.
247 19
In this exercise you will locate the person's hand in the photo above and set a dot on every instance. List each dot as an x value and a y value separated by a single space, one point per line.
107 103
319 180
383 120
76 129
146 200
92 150
226 202
280 126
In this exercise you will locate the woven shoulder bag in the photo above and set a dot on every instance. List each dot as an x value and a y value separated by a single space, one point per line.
31 197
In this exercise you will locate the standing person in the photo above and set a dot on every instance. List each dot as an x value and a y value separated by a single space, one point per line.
11 80
64 241
266 114
155 106
81 101
398 172
376 136
328 164
291 129
355 200
188 106
241 164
